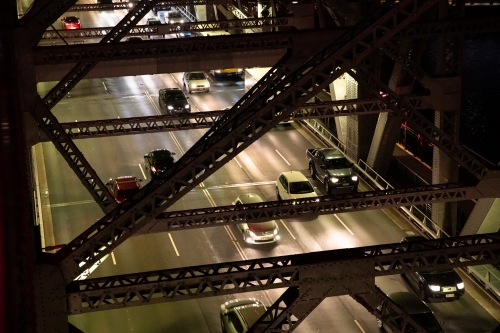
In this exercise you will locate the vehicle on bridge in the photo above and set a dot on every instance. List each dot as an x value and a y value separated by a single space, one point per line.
417 310
294 185
257 233
174 17
333 169
70 23
444 283
238 315
195 81
173 100
158 161
238 72
123 188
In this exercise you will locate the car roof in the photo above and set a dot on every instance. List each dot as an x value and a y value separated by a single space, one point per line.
409 302
413 238
331 153
251 313
127 182
160 153
71 18
294 176
249 198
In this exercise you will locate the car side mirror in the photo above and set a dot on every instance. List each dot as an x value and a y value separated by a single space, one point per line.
140 180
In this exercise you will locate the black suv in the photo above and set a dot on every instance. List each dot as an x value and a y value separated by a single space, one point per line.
443 283
173 100
157 161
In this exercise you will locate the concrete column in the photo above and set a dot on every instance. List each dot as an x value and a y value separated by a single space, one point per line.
388 125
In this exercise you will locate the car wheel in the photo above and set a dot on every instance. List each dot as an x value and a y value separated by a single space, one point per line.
312 171
278 194
327 186
422 293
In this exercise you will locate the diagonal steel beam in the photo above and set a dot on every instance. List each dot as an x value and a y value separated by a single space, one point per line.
384 309
432 133
289 271
243 125
42 14
198 120
73 156
83 68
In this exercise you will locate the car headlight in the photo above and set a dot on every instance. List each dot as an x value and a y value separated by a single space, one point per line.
186 106
181 21
460 285
240 69
130 4
217 71
277 237
334 180
434 287
354 178
153 169
193 85
251 233
276 231
207 85
170 107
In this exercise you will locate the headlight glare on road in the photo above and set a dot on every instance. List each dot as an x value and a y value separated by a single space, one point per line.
460 285
434 287
334 180
354 178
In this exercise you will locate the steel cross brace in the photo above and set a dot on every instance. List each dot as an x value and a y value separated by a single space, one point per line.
432 133
49 124
174 284
270 210
198 120
286 313
174 28
391 315
243 126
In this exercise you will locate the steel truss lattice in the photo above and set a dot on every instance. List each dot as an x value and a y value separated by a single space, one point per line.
344 268
270 102
198 120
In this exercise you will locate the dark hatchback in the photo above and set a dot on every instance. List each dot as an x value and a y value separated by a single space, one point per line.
445 283
157 161
173 100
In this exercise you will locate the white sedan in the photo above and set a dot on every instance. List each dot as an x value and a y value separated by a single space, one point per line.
195 81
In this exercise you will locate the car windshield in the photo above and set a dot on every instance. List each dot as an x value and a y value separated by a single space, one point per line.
427 321
175 96
196 76
162 159
338 163
301 187
71 19
174 14
154 22
128 193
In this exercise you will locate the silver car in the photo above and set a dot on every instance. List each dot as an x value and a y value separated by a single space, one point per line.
257 233
239 315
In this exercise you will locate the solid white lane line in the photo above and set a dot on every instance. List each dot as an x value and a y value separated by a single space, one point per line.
105 88
283 157
287 229
173 244
143 174
238 163
113 257
235 242
359 326
344 225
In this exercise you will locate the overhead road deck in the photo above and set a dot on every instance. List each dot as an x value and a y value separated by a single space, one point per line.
126 5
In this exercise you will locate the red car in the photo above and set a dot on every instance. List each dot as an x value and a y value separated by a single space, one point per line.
123 188
70 22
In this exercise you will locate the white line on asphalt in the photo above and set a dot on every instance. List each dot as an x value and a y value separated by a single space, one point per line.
113 257
238 163
344 224
173 244
270 182
140 166
105 88
72 203
284 159
359 326
287 229
235 242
